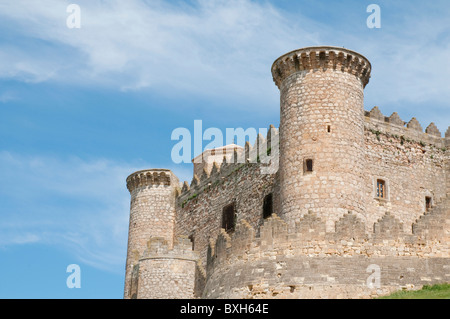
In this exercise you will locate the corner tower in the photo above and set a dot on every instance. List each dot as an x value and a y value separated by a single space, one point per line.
321 132
152 215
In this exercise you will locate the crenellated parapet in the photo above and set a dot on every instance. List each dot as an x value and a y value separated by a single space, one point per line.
388 227
263 152
309 238
149 178
435 224
350 224
414 124
315 58
291 263
433 130
411 130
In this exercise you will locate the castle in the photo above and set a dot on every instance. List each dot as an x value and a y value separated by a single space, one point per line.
359 206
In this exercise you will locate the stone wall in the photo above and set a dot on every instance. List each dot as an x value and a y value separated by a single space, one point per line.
394 227
395 126
199 216
243 181
306 262
413 166
166 273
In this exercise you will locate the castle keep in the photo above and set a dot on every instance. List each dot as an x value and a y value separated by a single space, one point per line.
359 206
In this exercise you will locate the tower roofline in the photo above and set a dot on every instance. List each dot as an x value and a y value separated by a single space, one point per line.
148 177
311 58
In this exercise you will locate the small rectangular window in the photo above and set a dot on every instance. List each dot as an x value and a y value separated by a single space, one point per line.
228 218
427 203
308 166
381 188
329 128
267 206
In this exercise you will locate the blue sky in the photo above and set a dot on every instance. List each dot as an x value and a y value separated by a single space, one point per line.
81 109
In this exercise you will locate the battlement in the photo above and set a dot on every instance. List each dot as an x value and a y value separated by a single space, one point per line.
412 130
324 57
264 153
306 261
281 261
151 177
309 238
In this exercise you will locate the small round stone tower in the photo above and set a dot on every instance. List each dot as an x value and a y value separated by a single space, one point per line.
321 132
152 215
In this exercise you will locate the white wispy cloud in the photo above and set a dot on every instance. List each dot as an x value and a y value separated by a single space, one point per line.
219 48
209 47
81 206
18 239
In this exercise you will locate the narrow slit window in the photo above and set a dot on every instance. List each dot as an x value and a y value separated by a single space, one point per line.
228 218
329 128
192 239
381 188
268 206
427 203
308 165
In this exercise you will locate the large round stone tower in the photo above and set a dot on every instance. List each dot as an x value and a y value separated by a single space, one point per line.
321 132
152 215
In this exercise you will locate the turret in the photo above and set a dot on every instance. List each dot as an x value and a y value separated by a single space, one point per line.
321 132
152 215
